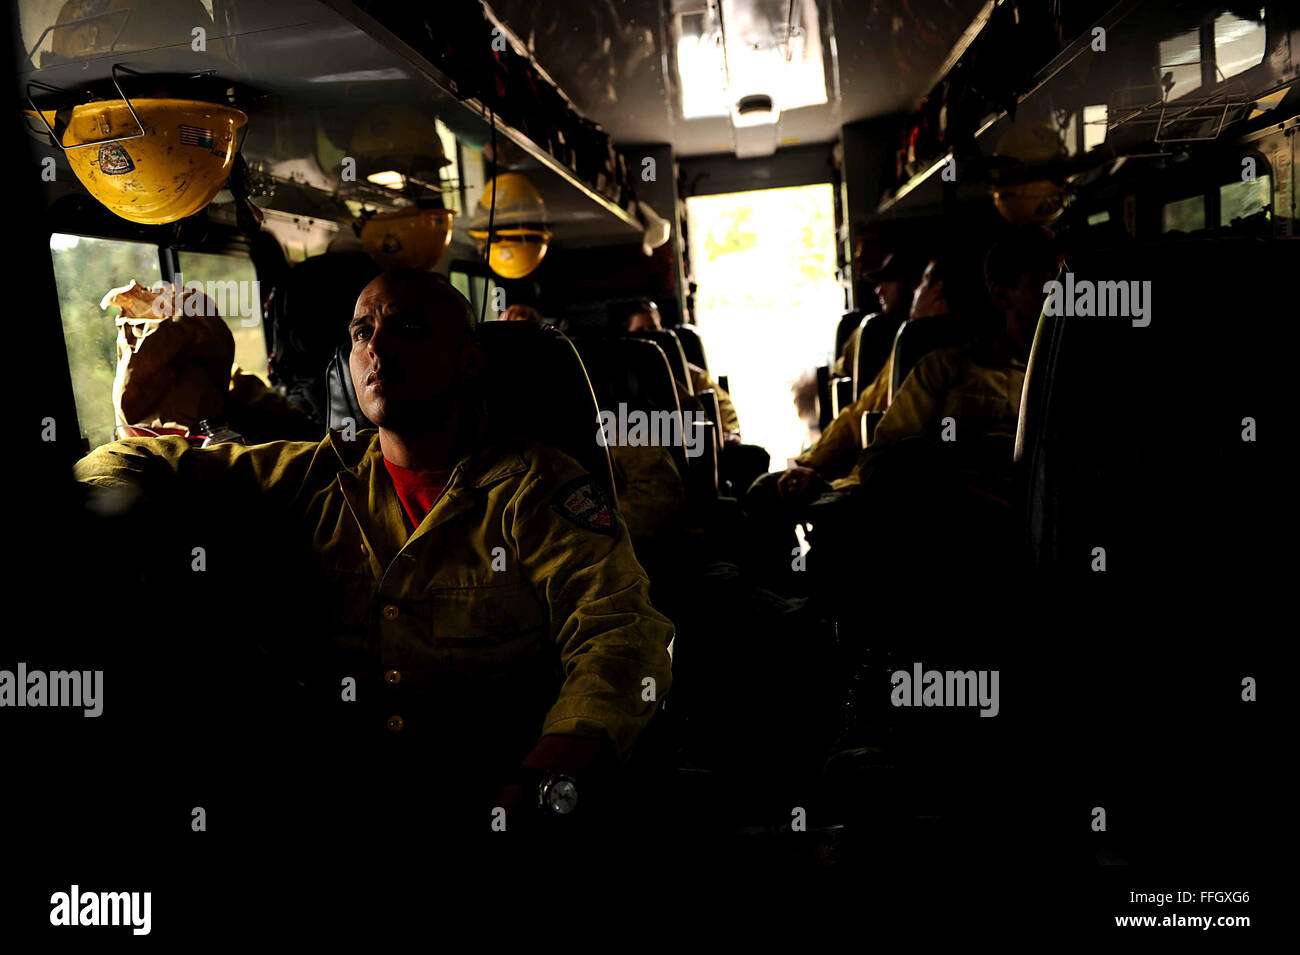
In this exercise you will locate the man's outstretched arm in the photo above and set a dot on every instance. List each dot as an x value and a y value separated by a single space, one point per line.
612 644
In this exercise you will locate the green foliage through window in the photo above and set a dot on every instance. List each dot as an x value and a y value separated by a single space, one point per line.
84 269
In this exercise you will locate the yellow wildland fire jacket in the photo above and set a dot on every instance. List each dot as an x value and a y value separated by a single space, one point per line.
515 609
967 400
840 444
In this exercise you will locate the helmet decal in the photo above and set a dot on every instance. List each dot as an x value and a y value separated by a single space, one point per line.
196 136
114 160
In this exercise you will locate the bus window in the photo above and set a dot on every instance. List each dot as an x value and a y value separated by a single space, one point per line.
1095 119
472 287
84 269
1180 60
1237 200
1184 215
238 298
1238 43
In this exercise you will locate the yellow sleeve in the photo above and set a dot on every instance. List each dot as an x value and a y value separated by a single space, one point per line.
650 488
154 467
834 453
915 410
609 638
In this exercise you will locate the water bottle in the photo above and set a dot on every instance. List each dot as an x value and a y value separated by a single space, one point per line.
218 432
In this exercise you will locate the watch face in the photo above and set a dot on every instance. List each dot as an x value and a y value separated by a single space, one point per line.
562 796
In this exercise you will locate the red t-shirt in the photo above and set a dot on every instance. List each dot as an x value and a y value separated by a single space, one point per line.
417 490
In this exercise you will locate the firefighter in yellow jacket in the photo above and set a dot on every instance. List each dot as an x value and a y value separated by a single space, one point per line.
967 399
832 457
933 489
477 590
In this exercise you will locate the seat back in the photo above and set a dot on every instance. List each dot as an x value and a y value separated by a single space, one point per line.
534 386
692 345
916 339
876 336
1135 438
308 312
631 371
845 328
672 349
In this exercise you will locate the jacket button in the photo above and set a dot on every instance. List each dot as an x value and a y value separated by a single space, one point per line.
391 612
395 724
393 676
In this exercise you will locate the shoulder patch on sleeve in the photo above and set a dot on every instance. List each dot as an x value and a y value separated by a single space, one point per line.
585 503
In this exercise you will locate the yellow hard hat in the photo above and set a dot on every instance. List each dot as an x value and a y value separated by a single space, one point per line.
1041 202
520 237
87 28
515 253
171 171
1038 201
1032 142
401 139
412 238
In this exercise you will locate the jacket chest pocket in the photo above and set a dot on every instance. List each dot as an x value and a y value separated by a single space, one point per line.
982 409
499 614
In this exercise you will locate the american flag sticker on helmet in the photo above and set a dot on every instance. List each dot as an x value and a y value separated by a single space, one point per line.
196 136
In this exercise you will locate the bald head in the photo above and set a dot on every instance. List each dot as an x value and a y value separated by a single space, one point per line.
412 350
420 289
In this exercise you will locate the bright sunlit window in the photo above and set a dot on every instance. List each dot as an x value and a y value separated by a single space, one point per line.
1094 126
1238 43
1180 60
768 301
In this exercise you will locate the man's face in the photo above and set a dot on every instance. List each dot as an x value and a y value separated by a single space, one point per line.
644 321
892 293
928 298
1024 302
411 354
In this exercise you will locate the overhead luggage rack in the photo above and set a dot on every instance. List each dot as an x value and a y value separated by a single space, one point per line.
303 59
1177 122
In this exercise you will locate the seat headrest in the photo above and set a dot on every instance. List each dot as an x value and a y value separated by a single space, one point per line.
692 345
672 349
533 385
917 338
876 334
631 370
849 321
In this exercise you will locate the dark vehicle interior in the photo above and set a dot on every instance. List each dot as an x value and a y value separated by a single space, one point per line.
753 172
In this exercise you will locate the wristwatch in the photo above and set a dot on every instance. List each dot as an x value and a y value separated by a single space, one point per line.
557 794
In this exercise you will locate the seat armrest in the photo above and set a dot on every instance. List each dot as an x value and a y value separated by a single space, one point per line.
869 421
841 395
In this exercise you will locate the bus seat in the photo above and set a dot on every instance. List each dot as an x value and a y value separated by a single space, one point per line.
535 386
824 405
849 322
667 340
713 411
632 371
308 312
692 345
875 342
841 394
915 339
870 419
1156 470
